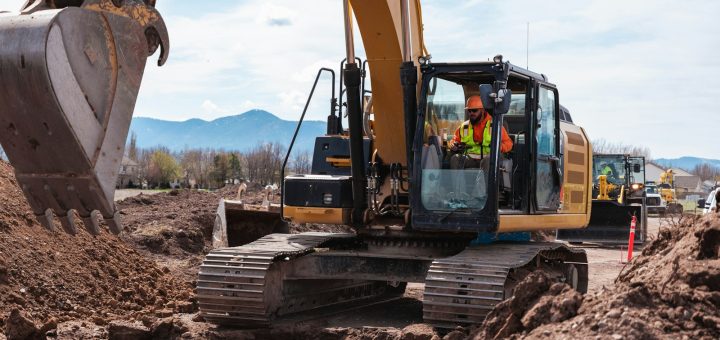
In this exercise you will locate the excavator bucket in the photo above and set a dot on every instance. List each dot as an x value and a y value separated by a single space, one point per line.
237 224
610 224
70 71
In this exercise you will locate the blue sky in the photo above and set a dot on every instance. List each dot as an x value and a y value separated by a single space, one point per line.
637 72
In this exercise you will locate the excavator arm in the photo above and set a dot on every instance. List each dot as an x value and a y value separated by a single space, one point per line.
70 71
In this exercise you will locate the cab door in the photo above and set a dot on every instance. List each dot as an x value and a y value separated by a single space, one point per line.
547 150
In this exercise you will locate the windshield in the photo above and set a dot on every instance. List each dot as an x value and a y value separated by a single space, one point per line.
611 166
614 167
651 190
450 180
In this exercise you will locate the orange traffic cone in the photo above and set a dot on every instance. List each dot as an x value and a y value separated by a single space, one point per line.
631 241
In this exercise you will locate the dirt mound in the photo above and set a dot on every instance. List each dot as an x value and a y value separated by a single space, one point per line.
55 277
177 223
671 291
537 301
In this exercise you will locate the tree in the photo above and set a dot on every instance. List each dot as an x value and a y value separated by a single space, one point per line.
132 147
162 168
264 162
706 171
302 162
221 169
602 146
191 163
235 166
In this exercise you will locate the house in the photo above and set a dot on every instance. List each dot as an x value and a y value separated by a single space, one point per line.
652 172
687 185
129 174
680 172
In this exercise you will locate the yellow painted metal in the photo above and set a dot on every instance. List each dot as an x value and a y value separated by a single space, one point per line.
317 215
379 25
583 148
515 223
603 188
338 161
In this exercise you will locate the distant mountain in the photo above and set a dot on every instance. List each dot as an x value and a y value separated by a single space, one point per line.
241 132
687 163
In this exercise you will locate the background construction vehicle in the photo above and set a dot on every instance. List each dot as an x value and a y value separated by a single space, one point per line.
653 200
618 195
667 191
416 219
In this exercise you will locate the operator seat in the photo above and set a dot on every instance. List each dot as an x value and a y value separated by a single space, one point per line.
432 153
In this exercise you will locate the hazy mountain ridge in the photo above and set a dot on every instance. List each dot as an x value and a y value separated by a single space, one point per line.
240 132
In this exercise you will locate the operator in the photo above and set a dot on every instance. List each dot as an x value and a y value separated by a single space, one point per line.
606 170
471 143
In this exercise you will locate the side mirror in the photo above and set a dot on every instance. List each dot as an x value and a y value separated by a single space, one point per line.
488 96
636 167
701 203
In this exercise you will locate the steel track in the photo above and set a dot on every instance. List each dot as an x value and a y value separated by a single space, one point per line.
244 286
463 289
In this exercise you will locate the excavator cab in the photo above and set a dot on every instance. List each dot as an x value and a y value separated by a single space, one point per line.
470 192
71 71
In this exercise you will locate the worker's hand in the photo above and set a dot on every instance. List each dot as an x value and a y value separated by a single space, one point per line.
458 147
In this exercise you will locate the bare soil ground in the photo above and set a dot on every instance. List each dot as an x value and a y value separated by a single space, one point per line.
140 285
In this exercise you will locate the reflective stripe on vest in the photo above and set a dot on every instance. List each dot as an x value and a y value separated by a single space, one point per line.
466 136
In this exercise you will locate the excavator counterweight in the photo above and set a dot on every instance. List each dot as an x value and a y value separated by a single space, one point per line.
70 72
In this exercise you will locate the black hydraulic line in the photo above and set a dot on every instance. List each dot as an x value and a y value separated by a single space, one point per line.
408 79
363 91
357 159
342 91
297 129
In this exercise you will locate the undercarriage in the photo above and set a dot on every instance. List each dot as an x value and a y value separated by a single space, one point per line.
281 275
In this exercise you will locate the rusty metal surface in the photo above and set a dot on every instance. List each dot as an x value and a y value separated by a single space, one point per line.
70 72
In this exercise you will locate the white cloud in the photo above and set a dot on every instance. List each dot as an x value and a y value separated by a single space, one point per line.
638 72
211 109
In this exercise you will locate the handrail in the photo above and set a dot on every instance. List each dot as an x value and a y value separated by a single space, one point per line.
297 129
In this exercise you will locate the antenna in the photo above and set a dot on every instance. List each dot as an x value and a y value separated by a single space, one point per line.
527 47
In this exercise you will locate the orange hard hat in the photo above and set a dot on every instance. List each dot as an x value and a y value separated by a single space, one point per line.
474 102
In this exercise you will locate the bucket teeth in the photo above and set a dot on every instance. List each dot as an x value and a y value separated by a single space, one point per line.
114 224
68 222
46 220
92 225
71 72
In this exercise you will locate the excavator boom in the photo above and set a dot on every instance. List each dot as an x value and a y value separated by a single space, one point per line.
70 72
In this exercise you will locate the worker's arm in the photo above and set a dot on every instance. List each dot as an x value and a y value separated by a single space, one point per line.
506 144
455 139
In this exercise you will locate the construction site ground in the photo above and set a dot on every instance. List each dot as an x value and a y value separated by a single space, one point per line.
140 284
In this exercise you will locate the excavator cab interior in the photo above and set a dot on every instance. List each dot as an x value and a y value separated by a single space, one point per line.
452 191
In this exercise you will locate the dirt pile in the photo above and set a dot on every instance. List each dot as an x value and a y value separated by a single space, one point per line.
671 291
177 223
54 277
537 301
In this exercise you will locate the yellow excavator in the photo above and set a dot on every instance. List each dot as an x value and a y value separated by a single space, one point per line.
667 192
463 232
70 75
